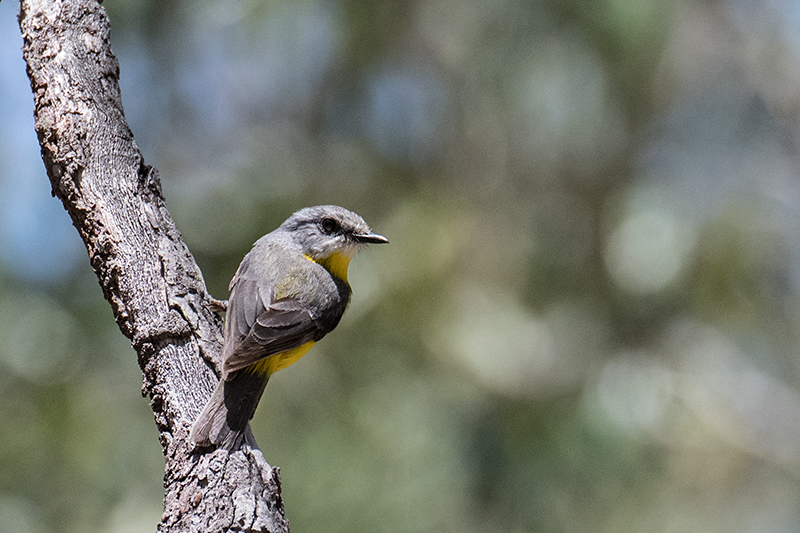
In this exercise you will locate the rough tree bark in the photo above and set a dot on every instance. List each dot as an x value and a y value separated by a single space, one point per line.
146 272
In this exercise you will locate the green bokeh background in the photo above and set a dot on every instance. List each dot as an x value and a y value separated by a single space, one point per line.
586 318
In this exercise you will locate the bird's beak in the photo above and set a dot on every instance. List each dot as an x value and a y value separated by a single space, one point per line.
371 238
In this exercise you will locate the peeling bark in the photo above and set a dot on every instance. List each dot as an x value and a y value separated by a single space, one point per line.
147 274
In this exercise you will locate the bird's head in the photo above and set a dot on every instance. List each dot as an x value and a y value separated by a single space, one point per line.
330 235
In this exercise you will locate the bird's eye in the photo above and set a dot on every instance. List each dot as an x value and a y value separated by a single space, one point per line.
329 225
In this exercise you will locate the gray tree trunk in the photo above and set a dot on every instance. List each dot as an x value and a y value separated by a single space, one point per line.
146 272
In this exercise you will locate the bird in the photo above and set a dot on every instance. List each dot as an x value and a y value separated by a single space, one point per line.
289 291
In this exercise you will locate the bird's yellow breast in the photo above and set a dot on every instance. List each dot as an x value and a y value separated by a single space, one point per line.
279 361
336 264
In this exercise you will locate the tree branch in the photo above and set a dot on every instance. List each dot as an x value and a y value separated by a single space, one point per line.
146 272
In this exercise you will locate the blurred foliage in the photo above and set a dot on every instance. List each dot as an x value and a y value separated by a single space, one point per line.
586 318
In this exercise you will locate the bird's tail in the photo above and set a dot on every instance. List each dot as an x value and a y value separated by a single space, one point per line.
224 420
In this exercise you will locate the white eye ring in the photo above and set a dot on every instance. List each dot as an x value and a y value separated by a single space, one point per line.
329 225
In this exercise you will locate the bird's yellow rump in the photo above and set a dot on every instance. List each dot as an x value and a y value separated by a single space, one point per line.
279 361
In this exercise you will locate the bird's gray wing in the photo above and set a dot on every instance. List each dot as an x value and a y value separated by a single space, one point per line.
244 306
285 324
